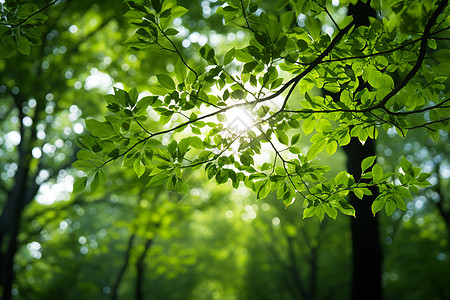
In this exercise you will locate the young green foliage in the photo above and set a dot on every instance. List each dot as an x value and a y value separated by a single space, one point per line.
378 80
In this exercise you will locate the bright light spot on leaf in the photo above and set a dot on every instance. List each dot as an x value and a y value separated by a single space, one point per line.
240 35
328 30
276 221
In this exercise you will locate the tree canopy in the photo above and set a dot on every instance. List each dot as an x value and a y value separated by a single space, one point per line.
377 76
204 102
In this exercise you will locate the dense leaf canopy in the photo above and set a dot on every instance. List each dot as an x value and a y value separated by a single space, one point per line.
252 95
308 81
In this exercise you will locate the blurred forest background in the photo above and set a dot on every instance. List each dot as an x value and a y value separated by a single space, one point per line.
127 241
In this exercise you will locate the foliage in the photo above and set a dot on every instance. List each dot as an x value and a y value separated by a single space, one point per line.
384 79
218 243
19 26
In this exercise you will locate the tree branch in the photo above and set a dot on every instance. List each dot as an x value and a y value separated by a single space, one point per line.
423 47
35 13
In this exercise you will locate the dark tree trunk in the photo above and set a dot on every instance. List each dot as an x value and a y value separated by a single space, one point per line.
123 269
18 198
140 266
366 255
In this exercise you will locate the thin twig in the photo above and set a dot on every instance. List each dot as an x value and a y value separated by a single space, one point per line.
329 15
35 13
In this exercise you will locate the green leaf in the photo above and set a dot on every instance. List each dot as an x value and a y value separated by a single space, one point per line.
177 11
23 45
308 125
79 185
377 172
99 129
84 166
180 70
229 56
331 147
264 190
281 4
95 182
331 212
314 27
156 5
432 44
138 167
246 159
295 139
378 204
171 31
405 164
320 212
346 209
309 212
207 52
358 193
158 179
380 80
367 163
282 137
166 81
238 94
294 150
390 207
316 148
196 142
400 203
26 10
134 94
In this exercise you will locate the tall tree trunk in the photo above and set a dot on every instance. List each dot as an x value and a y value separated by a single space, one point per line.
366 256
123 268
140 266
12 212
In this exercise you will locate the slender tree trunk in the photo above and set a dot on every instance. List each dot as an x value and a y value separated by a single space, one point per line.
294 272
12 212
123 269
366 256
9 230
140 266
314 262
